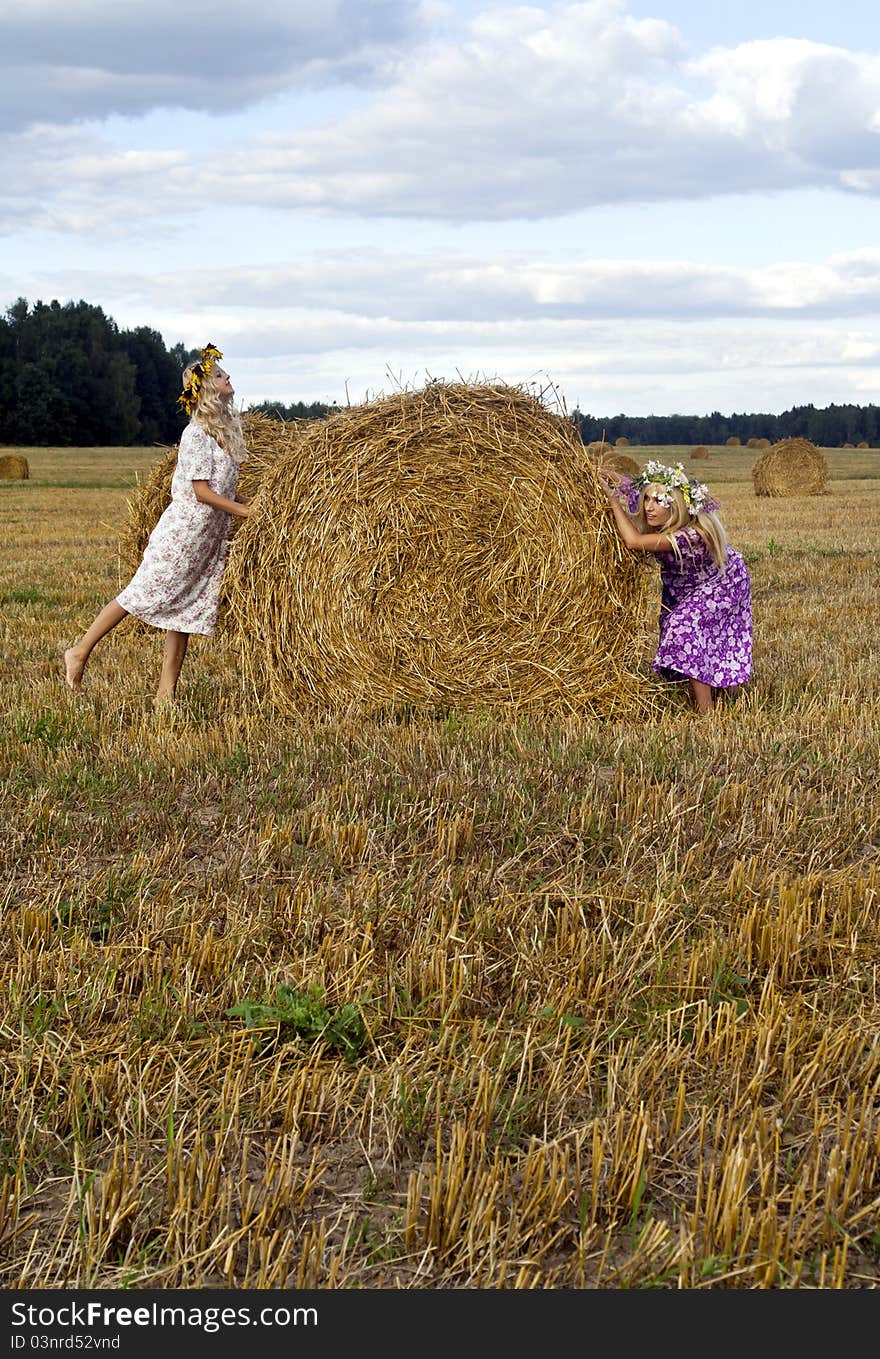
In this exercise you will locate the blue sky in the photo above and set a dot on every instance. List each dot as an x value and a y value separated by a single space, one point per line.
651 207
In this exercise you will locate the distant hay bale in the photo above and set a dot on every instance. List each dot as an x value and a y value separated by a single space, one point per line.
450 546
701 451
603 454
600 449
863 444
733 441
790 467
14 468
849 445
758 443
621 442
265 439
621 462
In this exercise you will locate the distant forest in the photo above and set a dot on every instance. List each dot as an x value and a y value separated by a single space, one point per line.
70 377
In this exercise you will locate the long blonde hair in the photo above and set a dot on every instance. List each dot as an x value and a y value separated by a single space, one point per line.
707 523
217 417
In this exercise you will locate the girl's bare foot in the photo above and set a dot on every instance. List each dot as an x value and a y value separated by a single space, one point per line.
74 665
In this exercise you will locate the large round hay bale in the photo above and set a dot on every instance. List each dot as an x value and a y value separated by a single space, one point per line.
790 467
450 546
700 452
848 445
621 441
733 441
13 467
265 439
863 444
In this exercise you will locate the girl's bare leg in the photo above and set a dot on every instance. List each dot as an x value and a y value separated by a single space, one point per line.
176 644
76 656
702 695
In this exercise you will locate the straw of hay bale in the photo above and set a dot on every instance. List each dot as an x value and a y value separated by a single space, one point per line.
701 451
13 467
621 442
790 467
733 441
446 546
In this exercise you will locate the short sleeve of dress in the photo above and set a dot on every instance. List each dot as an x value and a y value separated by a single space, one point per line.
195 455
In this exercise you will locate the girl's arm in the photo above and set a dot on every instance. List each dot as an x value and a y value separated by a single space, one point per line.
202 491
639 542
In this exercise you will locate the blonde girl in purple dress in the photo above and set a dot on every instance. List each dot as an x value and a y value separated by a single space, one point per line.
177 585
706 599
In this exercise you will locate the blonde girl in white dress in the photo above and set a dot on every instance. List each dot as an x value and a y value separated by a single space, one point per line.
177 585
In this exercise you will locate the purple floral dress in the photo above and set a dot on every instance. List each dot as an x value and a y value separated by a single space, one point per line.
177 585
706 615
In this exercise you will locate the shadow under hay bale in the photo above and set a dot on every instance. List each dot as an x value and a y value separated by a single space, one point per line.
791 467
700 452
445 547
13 467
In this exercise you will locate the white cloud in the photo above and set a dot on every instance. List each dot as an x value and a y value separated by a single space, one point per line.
539 113
438 289
63 61
471 154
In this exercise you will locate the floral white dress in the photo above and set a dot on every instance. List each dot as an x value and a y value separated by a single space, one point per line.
177 585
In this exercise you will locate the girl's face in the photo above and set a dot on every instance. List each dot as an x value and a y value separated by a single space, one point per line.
224 387
657 504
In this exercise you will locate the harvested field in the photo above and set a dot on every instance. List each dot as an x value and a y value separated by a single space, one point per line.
469 1000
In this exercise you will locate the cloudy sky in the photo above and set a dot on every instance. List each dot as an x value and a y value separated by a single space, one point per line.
644 205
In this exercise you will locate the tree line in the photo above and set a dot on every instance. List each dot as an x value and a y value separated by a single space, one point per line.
825 426
70 377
